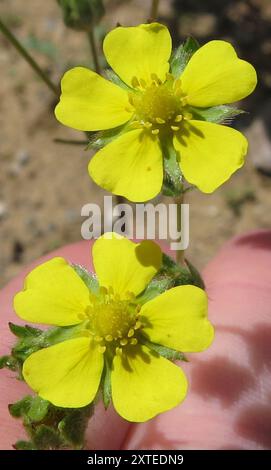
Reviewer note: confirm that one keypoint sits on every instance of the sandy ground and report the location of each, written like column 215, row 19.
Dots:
column 43, row 185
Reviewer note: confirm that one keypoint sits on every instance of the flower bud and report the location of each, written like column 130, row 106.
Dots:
column 81, row 15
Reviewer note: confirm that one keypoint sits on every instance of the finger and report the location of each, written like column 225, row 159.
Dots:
column 106, row 429
column 229, row 401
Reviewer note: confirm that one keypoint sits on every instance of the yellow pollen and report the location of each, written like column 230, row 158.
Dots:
column 178, row 118
column 175, row 128
column 155, row 131
column 111, row 319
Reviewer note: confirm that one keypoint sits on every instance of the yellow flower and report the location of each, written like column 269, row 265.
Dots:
column 157, row 106
column 113, row 327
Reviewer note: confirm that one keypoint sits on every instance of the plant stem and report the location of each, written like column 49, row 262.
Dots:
column 154, row 9
column 180, row 254
column 94, row 51
column 71, row 142
column 20, row 48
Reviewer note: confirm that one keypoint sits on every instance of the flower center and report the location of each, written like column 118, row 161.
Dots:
column 113, row 320
column 160, row 105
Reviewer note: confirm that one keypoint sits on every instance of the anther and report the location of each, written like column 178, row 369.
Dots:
column 118, row 351
column 178, row 118
column 148, row 125
column 138, row 325
column 135, row 83
column 102, row 349
column 131, row 332
column 175, row 128
column 109, row 338
column 142, row 82
column 160, row 120
column 188, row 116
column 133, row 341
column 155, row 131
column 123, row 341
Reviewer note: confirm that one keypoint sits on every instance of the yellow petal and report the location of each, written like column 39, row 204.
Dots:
column 130, row 166
column 123, row 265
column 209, row 153
column 67, row 374
column 178, row 319
column 145, row 384
column 90, row 103
column 139, row 51
column 53, row 294
column 215, row 75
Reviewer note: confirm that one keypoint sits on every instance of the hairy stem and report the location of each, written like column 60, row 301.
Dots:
column 154, row 10
column 180, row 254
column 21, row 49
column 94, row 51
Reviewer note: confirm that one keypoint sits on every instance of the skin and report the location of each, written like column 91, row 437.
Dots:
column 229, row 402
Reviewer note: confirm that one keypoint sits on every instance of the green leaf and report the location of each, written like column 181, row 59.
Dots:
column 46, row 438
column 172, row 184
column 21, row 407
column 114, row 78
column 217, row 114
column 38, row 409
column 24, row 445
column 89, row 279
column 73, row 426
column 182, row 55
column 8, row 362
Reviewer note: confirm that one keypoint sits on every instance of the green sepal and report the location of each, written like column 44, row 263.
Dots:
column 90, row 279
column 81, row 15
column 105, row 386
column 23, row 331
column 103, row 138
column 182, row 55
column 223, row 114
column 170, row 275
column 114, row 78
column 163, row 351
column 30, row 344
column 46, row 438
column 172, row 183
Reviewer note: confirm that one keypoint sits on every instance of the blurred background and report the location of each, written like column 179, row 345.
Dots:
column 44, row 184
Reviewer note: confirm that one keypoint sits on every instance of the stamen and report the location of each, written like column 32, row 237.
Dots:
column 188, row 116
column 102, row 349
column 119, row 351
column 155, row 131
column 109, row 338
column 133, row 341
column 148, row 125
column 98, row 339
column 178, row 118
column 175, row 128
column 142, row 82
column 160, row 121
column 123, row 341
column 131, row 332
column 135, row 83
column 138, row 325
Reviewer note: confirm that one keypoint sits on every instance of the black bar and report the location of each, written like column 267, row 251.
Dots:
column 115, row 459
